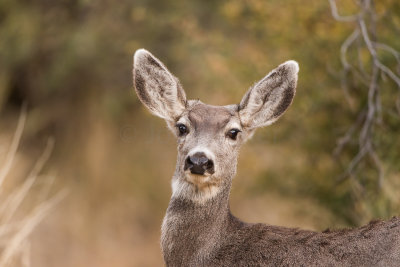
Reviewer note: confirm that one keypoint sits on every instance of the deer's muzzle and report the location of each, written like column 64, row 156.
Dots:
column 198, row 163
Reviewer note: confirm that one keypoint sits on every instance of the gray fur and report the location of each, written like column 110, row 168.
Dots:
column 268, row 99
column 156, row 87
column 198, row 228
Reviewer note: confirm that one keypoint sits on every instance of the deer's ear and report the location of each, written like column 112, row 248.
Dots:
column 156, row 87
column 269, row 98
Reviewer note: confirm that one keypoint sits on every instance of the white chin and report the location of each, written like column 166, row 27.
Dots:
column 197, row 188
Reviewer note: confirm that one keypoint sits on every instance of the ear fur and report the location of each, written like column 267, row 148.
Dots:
column 156, row 87
column 269, row 98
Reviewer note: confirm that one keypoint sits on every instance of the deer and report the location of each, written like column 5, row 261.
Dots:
column 198, row 228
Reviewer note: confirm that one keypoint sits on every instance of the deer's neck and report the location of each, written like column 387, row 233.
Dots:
column 191, row 230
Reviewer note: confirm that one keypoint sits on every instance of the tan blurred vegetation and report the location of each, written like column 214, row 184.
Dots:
column 70, row 61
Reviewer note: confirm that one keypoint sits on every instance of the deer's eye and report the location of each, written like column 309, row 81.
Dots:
column 182, row 129
column 232, row 133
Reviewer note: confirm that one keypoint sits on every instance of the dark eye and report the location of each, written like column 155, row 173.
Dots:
column 182, row 129
column 232, row 133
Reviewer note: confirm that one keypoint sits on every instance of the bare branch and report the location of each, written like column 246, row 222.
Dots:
column 14, row 200
column 372, row 50
column 14, row 232
column 336, row 15
column 371, row 108
column 346, row 138
column 363, row 129
column 389, row 72
column 379, row 166
column 14, row 146
column 350, row 169
column 345, row 46
column 389, row 49
column 346, row 66
column 367, row 40
column 34, row 218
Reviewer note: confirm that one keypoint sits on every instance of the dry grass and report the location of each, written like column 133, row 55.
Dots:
column 17, row 222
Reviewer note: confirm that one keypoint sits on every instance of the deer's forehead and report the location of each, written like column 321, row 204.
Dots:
column 210, row 117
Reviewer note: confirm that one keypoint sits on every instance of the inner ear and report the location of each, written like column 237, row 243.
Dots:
column 156, row 87
column 269, row 98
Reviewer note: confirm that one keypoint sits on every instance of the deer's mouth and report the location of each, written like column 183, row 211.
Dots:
column 200, row 181
column 193, row 175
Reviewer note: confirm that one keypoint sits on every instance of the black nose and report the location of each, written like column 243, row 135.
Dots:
column 199, row 164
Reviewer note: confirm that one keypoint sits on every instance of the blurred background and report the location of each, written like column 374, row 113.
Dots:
column 331, row 161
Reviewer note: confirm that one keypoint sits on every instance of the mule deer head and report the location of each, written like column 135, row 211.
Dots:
column 198, row 228
column 209, row 137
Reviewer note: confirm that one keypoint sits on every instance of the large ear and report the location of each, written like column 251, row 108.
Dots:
column 156, row 87
column 269, row 98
